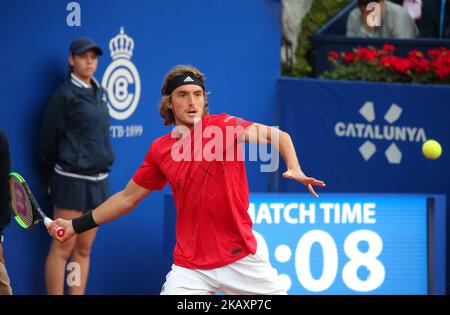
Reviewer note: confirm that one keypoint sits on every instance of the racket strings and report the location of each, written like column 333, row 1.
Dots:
column 21, row 203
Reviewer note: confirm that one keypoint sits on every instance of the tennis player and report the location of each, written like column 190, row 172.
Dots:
column 215, row 250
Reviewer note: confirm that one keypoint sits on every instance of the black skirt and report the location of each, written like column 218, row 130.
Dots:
column 77, row 194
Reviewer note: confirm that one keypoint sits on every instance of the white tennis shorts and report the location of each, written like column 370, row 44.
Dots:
column 251, row 275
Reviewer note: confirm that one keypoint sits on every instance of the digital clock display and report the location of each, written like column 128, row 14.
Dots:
column 344, row 244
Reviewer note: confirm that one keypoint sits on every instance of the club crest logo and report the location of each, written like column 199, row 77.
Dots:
column 121, row 79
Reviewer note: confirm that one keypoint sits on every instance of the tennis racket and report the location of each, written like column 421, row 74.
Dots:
column 26, row 209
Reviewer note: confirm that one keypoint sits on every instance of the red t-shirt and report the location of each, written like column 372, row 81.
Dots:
column 213, row 228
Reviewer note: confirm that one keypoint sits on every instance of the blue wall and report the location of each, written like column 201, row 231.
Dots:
column 312, row 111
column 236, row 43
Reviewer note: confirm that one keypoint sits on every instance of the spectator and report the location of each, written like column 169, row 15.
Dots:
column 393, row 21
column 435, row 21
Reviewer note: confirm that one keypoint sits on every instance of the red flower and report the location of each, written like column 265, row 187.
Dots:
column 416, row 67
column 434, row 53
column 442, row 73
column 402, row 65
column 415, row 54
column 418, row 62
column 349, row 56
column 333, row 55
column 367, row 54
column 388, row 61
column 441, row 64
column 388, row 49
column 420, row 66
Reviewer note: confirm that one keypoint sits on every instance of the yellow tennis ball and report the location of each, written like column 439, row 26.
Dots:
column 432, row 149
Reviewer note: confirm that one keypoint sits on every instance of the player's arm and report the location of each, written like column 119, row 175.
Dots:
column 262, row 134
column 115, row 206
column 121, row 203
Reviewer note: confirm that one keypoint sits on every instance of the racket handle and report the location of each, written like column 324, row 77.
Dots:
column 59, row 231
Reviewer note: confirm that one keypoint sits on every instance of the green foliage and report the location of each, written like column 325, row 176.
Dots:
column 321, row 11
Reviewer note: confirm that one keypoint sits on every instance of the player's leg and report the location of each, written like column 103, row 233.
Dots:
column 184, row 281
column 56, row 263
column 251, row 275
column 81, row 254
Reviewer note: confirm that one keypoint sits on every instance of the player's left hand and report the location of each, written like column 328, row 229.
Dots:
column 299, row 176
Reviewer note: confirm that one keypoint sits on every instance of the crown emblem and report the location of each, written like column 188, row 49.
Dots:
column 121, row 46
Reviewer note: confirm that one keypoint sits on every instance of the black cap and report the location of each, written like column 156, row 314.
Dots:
column 83, row 44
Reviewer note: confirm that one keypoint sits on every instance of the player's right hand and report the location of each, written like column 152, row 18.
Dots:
column 61, row 223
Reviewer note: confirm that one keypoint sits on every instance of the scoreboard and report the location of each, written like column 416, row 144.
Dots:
column 353, row 243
